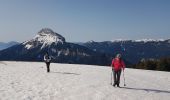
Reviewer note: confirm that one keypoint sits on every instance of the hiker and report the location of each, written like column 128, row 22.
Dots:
column 47, row 60
column 117, row 66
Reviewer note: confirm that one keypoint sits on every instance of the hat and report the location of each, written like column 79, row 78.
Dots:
column 118, row 55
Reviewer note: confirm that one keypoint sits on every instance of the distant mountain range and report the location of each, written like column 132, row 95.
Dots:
column 6, row 45
column 95, row 53
column 133, row 50
column 61, row 51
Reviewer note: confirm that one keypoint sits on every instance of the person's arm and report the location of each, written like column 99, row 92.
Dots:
column 45, row 58
column 49, row 58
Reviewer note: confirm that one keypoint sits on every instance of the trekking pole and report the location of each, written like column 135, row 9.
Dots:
column 124, row 78
column 111, row 78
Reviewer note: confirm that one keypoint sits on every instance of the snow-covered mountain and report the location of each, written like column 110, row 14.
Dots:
column 139, row 40
column 133, row 50
column 7, row 45
column 30, row 81
column 45, row 37
column 61, row 51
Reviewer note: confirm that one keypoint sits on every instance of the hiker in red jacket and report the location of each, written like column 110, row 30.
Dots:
column 117, row 66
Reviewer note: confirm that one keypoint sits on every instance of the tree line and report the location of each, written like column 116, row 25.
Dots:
column 162, row 64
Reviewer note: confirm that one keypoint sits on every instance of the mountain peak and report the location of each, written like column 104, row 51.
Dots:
column 46, row 31
column 46, row 37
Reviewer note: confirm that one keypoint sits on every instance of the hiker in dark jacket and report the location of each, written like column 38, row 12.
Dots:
column 47, row 60
column 117, row 66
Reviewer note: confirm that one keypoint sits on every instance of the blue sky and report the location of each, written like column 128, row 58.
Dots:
column 85, row 20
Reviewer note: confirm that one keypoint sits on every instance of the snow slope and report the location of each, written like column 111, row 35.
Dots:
column 29, row 81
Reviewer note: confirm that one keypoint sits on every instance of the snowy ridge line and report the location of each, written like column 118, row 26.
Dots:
column 149, row 40
column 126, row 40
column 140, row 40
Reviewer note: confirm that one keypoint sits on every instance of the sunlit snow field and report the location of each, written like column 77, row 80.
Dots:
column 30, row 81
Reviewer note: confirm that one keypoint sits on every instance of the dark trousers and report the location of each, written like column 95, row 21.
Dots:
column 48, row 66
column 117, row 77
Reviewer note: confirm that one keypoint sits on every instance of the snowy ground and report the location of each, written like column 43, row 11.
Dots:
column 29, row 81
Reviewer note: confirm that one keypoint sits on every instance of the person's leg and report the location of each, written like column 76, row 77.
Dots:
column 46, row 66
column 48, row 70
column 115, row 78
column 118, row 77
column 49, row 67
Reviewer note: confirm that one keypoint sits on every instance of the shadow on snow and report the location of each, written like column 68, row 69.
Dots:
column 147, row 90
column 65, row 73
